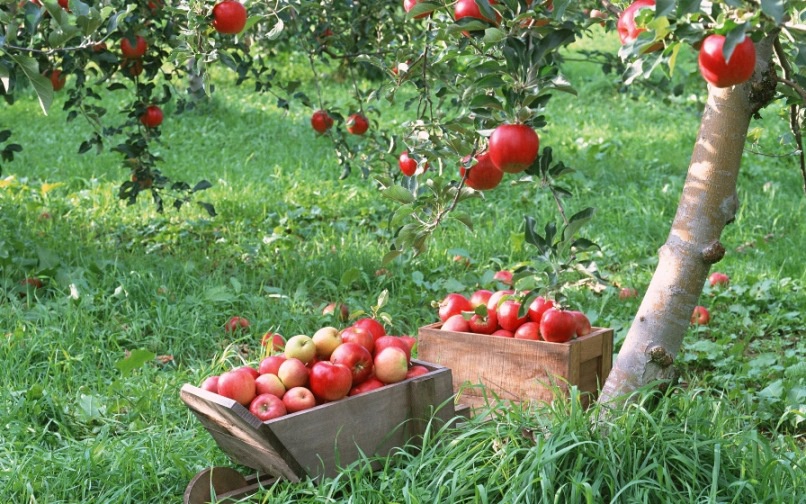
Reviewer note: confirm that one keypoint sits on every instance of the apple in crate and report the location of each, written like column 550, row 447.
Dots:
column 356, row 358
column 298, row 399
column 269, row 384
column 271, row 364
column 416, row 370
column 538, row 307
column 326, row 340
column 360, row 336
column 395, row 341
column 238, row 385
column 391, row 365
column 456, row 323
column 373, row 326
column 300, row 347
column 558, row 326
column 453, row 304
column 480, row 297
column 293, row 373
column 371, row 383
column 583, row 323
column 329, row 381
column 528, row 331
column 210, row 384
column 267, row 407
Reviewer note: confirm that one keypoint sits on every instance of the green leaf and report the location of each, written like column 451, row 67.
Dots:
column 532, row 237
column 349, row 277
column 774, row 9
column 732, row 39
column 391, row 256
column 463, row 218
column 494, row 35
column 135, row 360
column 485, row 101
column 664, row 7
column 218, row 294
column 41, row 84
column 399, row 194
column 422, row 8
column 576, row 222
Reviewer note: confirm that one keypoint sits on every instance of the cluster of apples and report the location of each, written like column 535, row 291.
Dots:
column 499, row 314
column 309, row 370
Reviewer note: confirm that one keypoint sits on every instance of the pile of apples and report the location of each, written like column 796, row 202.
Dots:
column 498, row 314
column 306, row 371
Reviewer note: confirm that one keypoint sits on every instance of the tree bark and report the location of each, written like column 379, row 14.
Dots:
column 708, row 202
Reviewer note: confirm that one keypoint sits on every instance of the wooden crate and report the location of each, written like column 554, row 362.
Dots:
column 317, row 441
column 517, row 370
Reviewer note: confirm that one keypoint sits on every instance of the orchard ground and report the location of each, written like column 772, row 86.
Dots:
column 80, row 426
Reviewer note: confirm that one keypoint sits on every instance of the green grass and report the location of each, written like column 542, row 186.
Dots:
column 291, row 237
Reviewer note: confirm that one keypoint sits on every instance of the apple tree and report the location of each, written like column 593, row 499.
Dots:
column 479, row 76
column 499, row 64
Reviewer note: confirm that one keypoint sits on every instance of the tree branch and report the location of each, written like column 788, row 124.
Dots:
column 794, row 109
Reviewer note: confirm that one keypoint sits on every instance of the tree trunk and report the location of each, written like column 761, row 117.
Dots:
column 708, row 202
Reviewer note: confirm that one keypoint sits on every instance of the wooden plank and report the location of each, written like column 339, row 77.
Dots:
column 515, row 370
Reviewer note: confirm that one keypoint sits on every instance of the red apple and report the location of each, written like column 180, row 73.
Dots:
column 329, row 381
column 627, row 29
column 558, row 326
column 300, row 347
column 483, row 324
column 371, row 383
column 298, row 399
column 513, row 147
column 480, row 297
column 391, row 365
column 528, row 331
column 453, row 304
column 416, row 370
column 338, row 310
column 229, row 17
column 373, row 326
column 326, row 340
column 396, row 341
column 269, row 384
column 583, row 323
column 355, row 334
column 700, row 316
column 267, row 407
column 356, row 358
column 237, row 385
column 321, row 121
column 410, row 341
column 627, row 293
column 503, row 333
column 482, row 176
column 503, row 276
column 456, row 323
column 134, row 50
column 723, row 73
column 538, row 307
column 271, row 364
column 293, row 373
column 277, row 341
column 357, row 124
column 210, row 384
column 508, row 317
column 719, row 280
column 249, row 369
column 408, row 165
column 497, row 298
column 236, row 323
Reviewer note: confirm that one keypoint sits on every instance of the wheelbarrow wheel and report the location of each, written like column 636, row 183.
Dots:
column 212, row 483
